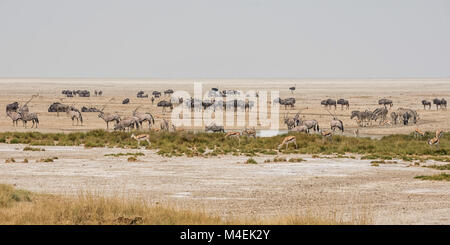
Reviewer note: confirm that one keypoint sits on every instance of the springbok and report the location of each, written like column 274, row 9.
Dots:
column 435, row 141
column 249, row 132
column 234, row 134
column 141, row 137
column 327, row 134
column 356, row 133
column 287, row 140
column 417, row 132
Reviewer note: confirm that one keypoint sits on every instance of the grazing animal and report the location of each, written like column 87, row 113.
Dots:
column 336, row 123
column 310, row 124
column 386, row 102
column 214, row 128
column 394, row 117
column 126, row 101
column 75, row 114
column 418, row 132
column 141, row 137
column 440, row 103
column 165, row 104
column 328, row 103
column 435, row 141
column 234, row 134
column 249, row 132
column 109, row 117
column 15, row 117
column 290, row 123
column 301, row 128
column 426, row 103
column 127, row 123
column 12, row 107
column 168, row 92
column 327, row 135
column 407, row 114
column 286, row 102
column 343, row 103
column 356, row 133
column 29, row 116
column 288, row 140
column 380, row 113
column 144, row 117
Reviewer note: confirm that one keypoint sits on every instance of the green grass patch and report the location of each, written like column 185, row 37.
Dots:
column 439, row 167
column 438, row 177
column 9, row 195
column 125, row 154
column 28, row 148
column 251, row 161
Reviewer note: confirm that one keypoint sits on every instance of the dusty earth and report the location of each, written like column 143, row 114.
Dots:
column 387, row 194
column 224, row 185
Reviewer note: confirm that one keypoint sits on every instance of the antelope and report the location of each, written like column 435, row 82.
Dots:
column 109, row 117
column 356, row 133
column 144, row 117
column 435, row 141
column 15, row 117
column 74, row 113
column 249, row 132
column 287, row 140
column 234, row 134
column 141, row 137
column 327, row 134
column 27, row 116
column 418, row 132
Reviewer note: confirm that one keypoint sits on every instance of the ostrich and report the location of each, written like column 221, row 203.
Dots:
column 292, row 89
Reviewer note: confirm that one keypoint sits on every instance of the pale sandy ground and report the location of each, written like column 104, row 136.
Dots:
column 388, row 194
column 221, row 185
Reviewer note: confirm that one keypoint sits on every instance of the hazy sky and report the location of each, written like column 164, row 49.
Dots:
column 228, row 38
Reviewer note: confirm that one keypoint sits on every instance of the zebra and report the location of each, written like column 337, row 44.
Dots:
column 380, row 113
column 426, row 103
column 288, row 140
column 394, row 117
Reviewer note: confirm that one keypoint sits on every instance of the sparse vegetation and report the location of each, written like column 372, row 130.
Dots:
column 439, row 177
column 125, row 154
column 48, row 159
column 10, row 160
column 251, row 161
column 18, row 207
column 192, row 144
column 28, row 148
column 439, row 167
column 132, row 159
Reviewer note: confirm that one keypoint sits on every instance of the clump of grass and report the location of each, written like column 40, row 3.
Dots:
column 48, row 159
column 439, row 167
column 25, row 160
column 27, row 148
column 297, row 159
column 132, row 159
column 9, row 195
column 439, row 177
column 251, row 161
column 125, row 154
column 279, row 159
column 10, row 160
column 375, row 164
column 18, row 207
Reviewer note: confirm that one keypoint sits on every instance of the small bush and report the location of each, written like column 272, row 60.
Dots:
column 251, row 161
column 33, row 149
column 297, row 160
column 440, row 167
column 132, row 159
column 10, row 160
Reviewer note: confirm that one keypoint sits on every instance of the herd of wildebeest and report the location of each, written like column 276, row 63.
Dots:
column 225, row 99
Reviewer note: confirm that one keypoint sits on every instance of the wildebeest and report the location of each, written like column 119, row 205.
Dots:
column 343, row 103
column 328, row 103
column 426, row 103
column 12, row 107
column 90, row 109
column 14, row 115
column 386, row 102
column 140, row 94
column 58, row 107
column 214, row 128
column 168, row 92
column 126, row 101
column 440, row 103
column 157, row 94
column 165, row 104
column 285, row 102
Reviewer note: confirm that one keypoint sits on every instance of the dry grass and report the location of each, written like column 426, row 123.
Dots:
column 26, row 208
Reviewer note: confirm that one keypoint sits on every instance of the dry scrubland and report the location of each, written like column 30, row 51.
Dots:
column 387, row 178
